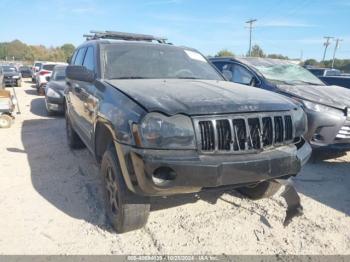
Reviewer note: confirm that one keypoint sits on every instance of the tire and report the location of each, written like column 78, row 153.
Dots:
column 19, row 83
column 125, row 210
column 262, row 190
column 73, row 139
column 41, row 90
column 5, row 121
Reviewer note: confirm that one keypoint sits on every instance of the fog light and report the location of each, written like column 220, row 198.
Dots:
column 163, row 176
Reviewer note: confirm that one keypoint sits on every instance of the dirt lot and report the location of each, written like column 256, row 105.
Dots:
column 51, row 203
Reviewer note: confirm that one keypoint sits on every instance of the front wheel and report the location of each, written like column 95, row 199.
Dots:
column 19, row 83
column 5, row 121
column 73, row 138
column 125, row 210
column 262, row 190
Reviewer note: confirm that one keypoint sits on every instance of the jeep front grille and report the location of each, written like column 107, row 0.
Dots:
column 250, row 132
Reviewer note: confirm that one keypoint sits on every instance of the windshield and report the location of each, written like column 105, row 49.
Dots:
column 9, row 69
column 134, row 61
column 288, row 74
column 59, row 75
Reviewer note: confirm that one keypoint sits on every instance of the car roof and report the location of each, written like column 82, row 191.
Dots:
column 99, row 42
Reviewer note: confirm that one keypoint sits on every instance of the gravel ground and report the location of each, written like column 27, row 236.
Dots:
column 51, row 203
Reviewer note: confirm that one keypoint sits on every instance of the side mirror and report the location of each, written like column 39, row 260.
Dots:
column 80, row 73
column 47, row 78
column 227, row 74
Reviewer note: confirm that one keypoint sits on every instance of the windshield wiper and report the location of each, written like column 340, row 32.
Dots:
column 306, row 82
column 187, row 77
column 130, row 77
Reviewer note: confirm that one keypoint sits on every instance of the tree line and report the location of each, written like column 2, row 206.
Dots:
column 257, row 51
column 19, row 51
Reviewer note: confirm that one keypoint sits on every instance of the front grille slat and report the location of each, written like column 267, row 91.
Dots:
column 244, row 134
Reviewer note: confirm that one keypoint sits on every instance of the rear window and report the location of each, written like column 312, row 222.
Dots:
column 48, row 67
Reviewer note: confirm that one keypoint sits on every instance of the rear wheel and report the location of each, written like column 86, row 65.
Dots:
column 262, row 190
column 125, row 210
column 73, row 139
column 5, row 121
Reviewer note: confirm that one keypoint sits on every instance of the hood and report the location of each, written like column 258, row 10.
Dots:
column 200, row 97
column 334, row 96
column 57, row 85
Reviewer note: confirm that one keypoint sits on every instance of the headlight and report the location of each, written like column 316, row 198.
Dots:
column 15, row 77
column 51, row 93
column 162, row 132
column 300, row 122
column 321, row 108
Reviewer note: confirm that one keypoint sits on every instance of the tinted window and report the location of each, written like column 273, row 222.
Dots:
column 9, row 69
column 220, row 65
column 73, row 57
column 317, row 72
column 241, row 75
column 49, row 67
column 80, row 57
column 89, row 59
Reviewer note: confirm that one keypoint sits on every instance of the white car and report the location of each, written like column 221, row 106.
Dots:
column 43, row 73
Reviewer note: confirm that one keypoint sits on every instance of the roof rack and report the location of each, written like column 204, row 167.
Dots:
column 94, row 35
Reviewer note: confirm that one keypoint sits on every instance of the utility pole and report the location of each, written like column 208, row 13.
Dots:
column 335, row 49
column 326, row 44
column 250, row 22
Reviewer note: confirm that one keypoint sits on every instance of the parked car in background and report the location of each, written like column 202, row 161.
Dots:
column 54, row 90
column 161, row 120
column 327, row 107
column 44, row 72
column 2, row 83
column 331, row 76
column 12, row 77
column 35, row 69
column 25, row 71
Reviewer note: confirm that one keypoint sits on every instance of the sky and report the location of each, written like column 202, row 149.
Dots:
column 294, row 28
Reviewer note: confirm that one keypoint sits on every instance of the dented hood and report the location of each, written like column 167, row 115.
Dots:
column 334, row 96
column 200, row 97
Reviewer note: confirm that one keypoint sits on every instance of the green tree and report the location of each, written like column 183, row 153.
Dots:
column 311, row 62
column 278, row 56
column 68, row 50
column 224, row 52
column 257, row 51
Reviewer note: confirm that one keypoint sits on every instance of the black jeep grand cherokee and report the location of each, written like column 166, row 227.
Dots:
column 161, row 120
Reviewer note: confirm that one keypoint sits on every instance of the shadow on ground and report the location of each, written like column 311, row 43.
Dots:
column 326, row 178
column 32, row 92
column 70, row 181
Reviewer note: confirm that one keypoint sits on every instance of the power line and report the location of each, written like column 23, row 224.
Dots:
column 326, row 44
column 335, row 49
column 250, row 22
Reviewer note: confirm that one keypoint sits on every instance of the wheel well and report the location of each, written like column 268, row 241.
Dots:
column 103, row 137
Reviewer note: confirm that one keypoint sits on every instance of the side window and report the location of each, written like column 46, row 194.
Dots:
column 219, row 65
column 80, row 56
column 73, row 57
column 241, row 75
column 89, row 61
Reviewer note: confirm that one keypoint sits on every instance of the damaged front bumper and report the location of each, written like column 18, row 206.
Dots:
column 167, row 172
